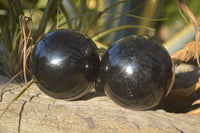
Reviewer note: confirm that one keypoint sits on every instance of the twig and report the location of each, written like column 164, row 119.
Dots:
column 16, row 97
column 4, row 87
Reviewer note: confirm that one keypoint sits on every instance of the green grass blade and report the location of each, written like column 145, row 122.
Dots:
column 149, row 12
column 99, row 14
column 104, row 33
column 66, row 15
column 82, row 11
column 49, row 10
column 16, row 97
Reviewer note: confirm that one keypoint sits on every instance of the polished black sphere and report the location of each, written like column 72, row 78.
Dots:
column 137, row 72
column 65, row 64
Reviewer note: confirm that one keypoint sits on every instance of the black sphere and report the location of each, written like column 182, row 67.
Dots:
column 65, row 64
column 137, row 72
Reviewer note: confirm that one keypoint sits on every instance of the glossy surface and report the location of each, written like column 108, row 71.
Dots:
column 137, row 72
column 65, row 64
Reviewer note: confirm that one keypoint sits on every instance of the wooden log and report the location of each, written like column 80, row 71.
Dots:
column 94, row 113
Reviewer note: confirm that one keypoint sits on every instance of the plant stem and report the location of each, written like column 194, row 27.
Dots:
column 16, row 97
column 102, row 34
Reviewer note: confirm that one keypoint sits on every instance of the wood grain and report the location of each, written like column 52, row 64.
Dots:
column 94, row 113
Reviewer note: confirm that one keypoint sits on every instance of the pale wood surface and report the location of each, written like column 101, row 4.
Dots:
column 44, row 114
column 94, row 113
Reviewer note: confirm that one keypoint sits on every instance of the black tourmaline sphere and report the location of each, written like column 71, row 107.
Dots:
column 137, row 72
column 65, row 64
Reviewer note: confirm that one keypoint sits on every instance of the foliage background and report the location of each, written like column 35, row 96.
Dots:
column 103, row 20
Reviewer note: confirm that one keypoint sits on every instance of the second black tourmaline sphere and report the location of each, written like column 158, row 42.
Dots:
column 65, row 64
column 137, row 72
